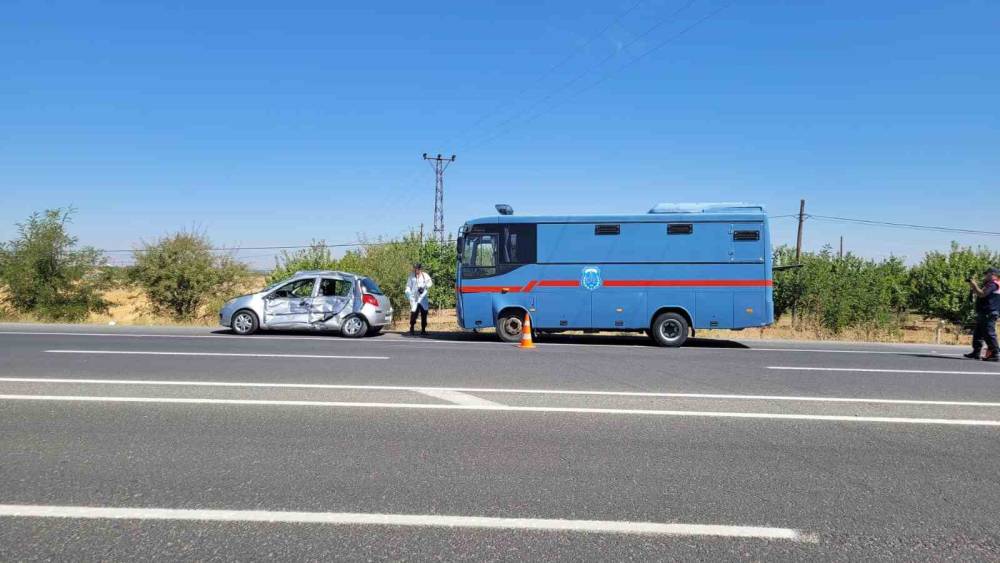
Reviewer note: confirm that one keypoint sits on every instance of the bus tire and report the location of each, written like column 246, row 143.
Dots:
column 509, row 326
column 670, row 330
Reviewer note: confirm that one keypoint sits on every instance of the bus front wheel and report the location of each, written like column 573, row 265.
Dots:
column 670, row 329
column 509, row 327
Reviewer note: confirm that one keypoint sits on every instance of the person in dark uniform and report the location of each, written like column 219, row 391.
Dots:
column 987, row 311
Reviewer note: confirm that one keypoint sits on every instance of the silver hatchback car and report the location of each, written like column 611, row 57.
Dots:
column 312, row 300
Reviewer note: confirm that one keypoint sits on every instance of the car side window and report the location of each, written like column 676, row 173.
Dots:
column 295, row 289
column 330, row 287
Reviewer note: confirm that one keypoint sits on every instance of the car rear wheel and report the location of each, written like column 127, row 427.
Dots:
column 670, row 329
column 509, row 327
column 244, row 322
column 354, row 326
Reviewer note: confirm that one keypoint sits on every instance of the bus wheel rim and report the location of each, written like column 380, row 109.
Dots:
column 671, row 330
column 513, row 326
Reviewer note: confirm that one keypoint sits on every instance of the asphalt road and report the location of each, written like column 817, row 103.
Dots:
column 133, row 443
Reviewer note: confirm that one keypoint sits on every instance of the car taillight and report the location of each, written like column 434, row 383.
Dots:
column 369, row 299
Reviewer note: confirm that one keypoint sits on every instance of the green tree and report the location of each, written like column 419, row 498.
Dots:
column 316, row 257
column 837, row 293
column 388, row 262
column 939, row 286
column 45, row 274
column 181, row 274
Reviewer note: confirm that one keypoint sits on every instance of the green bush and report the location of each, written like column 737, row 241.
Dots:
column 838, row 293
column 44, row 274
column 182, row 276
column 938, row 284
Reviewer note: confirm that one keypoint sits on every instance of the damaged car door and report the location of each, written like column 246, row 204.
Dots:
column 289, row 306
column 331, row 301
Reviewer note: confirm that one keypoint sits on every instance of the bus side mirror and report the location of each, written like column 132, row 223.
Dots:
column 458, row 247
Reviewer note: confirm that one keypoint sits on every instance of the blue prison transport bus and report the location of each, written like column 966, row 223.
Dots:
column 678, row 268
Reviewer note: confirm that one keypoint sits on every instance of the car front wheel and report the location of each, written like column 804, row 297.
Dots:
column 244, row 322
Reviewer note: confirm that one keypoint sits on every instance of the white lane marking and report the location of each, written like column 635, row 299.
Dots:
column 418, row 520
column 456, row 397
column 825, row 350
column 245, row 338
column 582, row 343
column 463, row 390
column 506, row 408
column 212, row 354
column 880, row 370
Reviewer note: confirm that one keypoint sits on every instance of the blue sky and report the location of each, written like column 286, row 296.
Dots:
column 267, row 123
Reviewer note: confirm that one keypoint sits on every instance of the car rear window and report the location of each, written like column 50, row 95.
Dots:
column 371, row 287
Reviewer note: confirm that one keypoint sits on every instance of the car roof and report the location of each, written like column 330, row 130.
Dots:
column 314, row 273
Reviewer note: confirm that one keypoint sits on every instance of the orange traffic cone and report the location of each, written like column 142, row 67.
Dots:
column 526, row 341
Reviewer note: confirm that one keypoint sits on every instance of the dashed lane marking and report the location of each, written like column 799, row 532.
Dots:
column 216, row 354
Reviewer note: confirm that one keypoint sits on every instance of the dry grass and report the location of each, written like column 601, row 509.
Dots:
column 917, row 331
column 129, row 306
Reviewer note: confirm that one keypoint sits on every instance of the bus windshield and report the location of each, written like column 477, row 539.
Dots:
column 479, row 255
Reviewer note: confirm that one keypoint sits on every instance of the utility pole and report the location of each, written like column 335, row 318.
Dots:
column 798, row 256
column 798, row 239
column 439, row 164
column 841, row 247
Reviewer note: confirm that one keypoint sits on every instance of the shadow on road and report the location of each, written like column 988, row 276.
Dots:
column 568, row 339
column 575, row 339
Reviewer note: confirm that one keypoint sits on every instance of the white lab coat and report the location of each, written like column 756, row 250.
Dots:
column 413, row 285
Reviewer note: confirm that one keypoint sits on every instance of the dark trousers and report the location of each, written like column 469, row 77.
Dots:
column 986, row 329
column 423, row 318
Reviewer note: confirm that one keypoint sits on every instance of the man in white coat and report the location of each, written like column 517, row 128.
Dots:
column 418, row 285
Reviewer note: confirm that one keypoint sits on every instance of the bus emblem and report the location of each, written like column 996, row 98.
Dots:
column 591, row 278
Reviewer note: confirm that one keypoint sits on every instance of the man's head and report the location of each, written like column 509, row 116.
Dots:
column 992, row 273
column 418, row 267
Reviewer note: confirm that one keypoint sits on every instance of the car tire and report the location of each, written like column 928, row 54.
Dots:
column 244, row 322
column 354, row 326
column 670, row 330
column 509, row 327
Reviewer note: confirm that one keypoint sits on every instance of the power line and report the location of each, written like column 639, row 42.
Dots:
column 552, row 69
column 531, row 107
column 276, row 247
column 911, row 226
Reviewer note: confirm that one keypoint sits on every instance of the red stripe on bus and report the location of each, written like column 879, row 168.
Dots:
column 559, row 283
column 688, row 283
column 489, row 289
column 616, row 283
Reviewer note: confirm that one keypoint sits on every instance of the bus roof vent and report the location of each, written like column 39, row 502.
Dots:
column 706, row 207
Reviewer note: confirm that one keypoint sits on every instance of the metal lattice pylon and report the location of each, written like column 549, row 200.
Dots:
column 439, row 164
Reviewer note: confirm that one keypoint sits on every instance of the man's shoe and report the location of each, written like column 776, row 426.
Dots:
column 423, row 333
column 412, row 332
column 970, row 355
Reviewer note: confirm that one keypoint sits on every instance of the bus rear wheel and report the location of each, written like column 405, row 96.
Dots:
column 509, row 327
column 670, row 329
